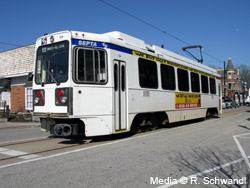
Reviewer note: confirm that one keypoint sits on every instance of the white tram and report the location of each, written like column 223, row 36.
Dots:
column 102, row 84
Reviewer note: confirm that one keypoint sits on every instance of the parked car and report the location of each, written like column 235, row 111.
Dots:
column 247, row 101
column 223, row 104
column 230, row 103
column 227, row 103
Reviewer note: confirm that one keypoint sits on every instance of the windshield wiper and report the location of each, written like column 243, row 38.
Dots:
column 57, row 83
column 50, row 73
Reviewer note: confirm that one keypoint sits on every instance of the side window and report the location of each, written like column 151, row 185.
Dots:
column 195, row 82
column 183, row 80
column 167, row 77
column 212, row 85
column 90, row 66
column 204, row 84
column 148, row 74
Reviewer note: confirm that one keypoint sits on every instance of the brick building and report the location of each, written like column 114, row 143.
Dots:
column 15, row 65
column 232, row 81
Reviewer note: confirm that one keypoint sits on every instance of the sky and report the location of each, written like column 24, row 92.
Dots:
column 222, row 27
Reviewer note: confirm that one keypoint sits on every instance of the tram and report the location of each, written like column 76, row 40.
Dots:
column 111, row 83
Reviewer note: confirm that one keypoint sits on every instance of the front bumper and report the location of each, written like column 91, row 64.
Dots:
column 51, row 115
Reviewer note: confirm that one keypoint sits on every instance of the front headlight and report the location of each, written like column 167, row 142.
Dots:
column 36, row 100
column 64, row 100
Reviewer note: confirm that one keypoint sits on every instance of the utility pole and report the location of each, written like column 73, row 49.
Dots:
column 224, row 80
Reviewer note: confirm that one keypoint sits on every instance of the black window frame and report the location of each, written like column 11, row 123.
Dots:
column 195, row 82
column 95, row 81
column 148, row 73
column 204, row 84
column 212, row 84
column 55, row 73
column 168, row 77
column 183, row 80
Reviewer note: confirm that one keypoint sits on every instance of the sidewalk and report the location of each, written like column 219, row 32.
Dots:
column 11, row 125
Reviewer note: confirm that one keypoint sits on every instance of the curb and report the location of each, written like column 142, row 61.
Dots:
column 3, row 120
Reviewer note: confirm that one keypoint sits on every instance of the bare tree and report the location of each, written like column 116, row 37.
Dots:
column 244, row 71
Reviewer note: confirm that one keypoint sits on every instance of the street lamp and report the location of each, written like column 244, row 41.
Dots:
column 225, row 87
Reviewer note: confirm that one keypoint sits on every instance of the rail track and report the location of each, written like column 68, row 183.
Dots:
column 45, row 146
column 38, row 147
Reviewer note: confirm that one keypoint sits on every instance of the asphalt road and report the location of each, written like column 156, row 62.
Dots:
column 218, row 147
column 12, row 134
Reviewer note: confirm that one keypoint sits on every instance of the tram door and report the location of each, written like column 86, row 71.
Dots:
column 120, row 91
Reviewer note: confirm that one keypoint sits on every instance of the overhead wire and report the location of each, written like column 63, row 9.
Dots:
column 141, row 20
column 16, row 45
column 10, row 44
column 219, row 60
column 155, row 27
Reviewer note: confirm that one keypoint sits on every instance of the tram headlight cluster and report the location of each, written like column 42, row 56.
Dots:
column 38, row 97
column 62, row 95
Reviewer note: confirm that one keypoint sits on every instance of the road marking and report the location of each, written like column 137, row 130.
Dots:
column 240, row 135
column 31, row 156
column 3, row 149
column 243, row 154
column 203, row 172
column 13, row 153
column 244, row 158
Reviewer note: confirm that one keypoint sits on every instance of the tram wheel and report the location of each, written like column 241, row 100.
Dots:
column 208, row 114
column 154, row 123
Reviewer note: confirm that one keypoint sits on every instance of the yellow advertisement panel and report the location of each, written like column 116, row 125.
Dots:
column 187, row 100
